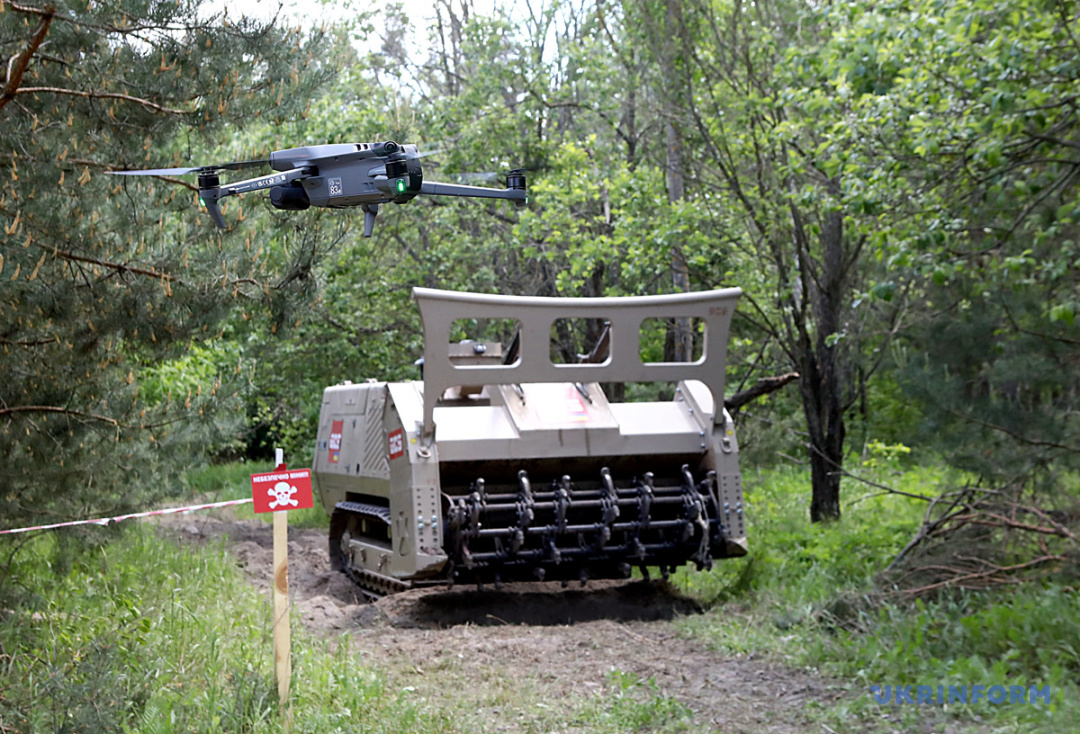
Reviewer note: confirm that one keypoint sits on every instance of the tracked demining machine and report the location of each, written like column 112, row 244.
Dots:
column 502, row 465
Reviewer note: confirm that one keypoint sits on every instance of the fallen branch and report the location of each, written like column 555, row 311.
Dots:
column 980, row 575
column 1004, row 522
column 929, row 527
column 968, row 535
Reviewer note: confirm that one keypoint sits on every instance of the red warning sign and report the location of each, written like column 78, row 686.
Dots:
column 396, row 439
column 284, row 489
column 335, row 441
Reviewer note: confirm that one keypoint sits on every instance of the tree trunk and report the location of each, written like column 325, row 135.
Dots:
column 680, row 336
column 825, row 426
column 821, row 388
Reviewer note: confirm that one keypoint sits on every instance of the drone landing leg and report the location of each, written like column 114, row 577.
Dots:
column 210, row 201
column 370, row 210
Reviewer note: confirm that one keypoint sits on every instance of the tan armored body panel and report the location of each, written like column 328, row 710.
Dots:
column 495, row 471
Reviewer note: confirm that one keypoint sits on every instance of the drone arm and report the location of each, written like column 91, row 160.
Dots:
column 210, row 196
column 432, row 188
column 265, row 182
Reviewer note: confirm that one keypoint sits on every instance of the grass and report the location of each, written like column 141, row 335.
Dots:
column 796, row 568
column 636, row 704
column 131, row 633
column 136, row 634
column 806, row 595
column 144, row 636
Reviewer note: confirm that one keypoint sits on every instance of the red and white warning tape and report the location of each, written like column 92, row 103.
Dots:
column 118, row 518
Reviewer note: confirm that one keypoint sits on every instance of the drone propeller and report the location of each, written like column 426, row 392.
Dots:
column 236, row 166
column 475, row 177
column 156, row 172
column 490, row 176
column 209, row 183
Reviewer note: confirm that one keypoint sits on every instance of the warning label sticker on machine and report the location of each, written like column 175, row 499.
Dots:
column 396, row 440
column 560, row 405
column 335, row 441
column 575, row 407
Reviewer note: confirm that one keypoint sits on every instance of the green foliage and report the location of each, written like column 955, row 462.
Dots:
column 597, row 224
column 221, row 481
column 795, row 566
column 201, row 368
column 972, row 102
column 109, row 282
column 808, row 594
column 893, row 185
column 1024, row 638
column 119, row 643
column 1027, row 637
column 182, row 644
column 880, row 454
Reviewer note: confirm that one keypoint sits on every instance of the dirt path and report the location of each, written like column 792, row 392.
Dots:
column 536, row 642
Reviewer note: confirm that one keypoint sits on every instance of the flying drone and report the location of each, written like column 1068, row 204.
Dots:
column 336, row 176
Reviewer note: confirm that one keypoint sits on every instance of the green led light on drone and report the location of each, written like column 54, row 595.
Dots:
column 401, row 186
column 202, row 201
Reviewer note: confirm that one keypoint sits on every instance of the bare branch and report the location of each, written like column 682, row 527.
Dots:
column 1004, row 522
column 18, row 66
column 764, row 386
column 1013, row 434
column 55, row 409
column 886, row 489
column 103, row 95
column 120, row 267
column 35, row 343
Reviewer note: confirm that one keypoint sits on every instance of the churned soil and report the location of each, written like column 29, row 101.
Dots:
column 539, row 642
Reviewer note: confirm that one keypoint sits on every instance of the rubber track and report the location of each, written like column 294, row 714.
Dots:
column 374, row 585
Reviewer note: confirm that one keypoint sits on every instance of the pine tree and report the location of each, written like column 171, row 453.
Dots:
column 102, row 277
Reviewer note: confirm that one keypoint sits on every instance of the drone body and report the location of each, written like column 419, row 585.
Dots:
column 336, row 176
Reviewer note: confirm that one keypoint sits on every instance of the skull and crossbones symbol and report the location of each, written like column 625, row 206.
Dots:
column 283, row 493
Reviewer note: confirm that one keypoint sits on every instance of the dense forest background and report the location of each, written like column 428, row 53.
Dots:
column 893, row 185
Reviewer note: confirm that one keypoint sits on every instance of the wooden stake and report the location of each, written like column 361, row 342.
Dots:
column 282, row 659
